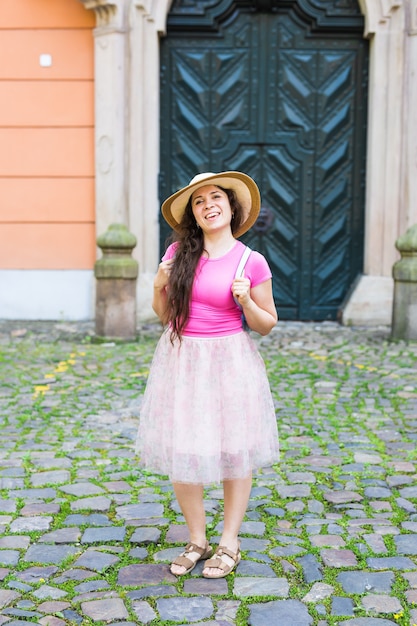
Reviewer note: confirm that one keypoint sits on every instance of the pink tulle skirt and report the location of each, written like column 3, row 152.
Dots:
column 207, row 413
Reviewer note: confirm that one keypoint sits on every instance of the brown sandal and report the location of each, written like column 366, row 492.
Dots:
column 184, row 561
column 220, row 563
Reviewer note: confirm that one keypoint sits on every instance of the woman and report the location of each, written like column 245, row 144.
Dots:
column 208, row 414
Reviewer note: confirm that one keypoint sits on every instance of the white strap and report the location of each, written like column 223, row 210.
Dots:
column 242, row 262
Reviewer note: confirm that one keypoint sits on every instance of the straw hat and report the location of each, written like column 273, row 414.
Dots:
column 244, row 186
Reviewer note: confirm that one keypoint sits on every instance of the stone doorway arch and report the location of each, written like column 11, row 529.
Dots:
column 127, row 137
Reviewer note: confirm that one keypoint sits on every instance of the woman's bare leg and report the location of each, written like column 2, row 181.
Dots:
column 190, row 499
column 236, row 498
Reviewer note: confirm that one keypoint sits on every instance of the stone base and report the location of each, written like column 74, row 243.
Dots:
column 369, row 303
column 116, row 308
column 404, row 317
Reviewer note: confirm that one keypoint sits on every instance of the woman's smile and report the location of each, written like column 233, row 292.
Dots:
column 212, row 215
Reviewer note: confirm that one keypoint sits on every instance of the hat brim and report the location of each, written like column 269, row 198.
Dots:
column 244, row 186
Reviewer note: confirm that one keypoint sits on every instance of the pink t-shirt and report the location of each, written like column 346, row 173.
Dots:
column 213, row 311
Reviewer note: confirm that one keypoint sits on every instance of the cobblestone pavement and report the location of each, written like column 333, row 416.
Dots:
column 330, row 536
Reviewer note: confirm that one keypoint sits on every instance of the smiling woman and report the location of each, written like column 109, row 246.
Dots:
column 216, row 421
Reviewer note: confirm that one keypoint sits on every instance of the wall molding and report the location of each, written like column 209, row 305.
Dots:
column 107, row 11
column 378, row 14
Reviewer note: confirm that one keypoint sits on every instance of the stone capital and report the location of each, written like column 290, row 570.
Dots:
column 378, row 13
column 154, row 11
column 108, row 12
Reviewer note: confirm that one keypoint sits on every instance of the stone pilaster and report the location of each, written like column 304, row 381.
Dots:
column 127, row 125
column 110, row 111
column 385, row 138
column 146, row 22
column 391, row 180
column 410, row 158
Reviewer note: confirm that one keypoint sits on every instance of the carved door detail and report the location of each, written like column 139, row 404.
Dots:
column 278, row 94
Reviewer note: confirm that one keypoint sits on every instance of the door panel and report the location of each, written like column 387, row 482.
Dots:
column 279, row 95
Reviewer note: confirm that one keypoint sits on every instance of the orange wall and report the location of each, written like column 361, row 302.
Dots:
column 46, row 136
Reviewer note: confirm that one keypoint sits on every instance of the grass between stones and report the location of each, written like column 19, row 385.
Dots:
column 333, row 402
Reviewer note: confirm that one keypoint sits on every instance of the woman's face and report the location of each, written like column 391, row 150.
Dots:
column 211, row 208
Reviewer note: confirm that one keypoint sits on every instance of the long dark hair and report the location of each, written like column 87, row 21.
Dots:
column 190, row 247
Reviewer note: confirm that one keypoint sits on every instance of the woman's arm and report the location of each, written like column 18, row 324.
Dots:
column 257, row 304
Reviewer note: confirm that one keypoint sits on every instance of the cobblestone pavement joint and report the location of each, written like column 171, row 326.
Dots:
column 330, row 535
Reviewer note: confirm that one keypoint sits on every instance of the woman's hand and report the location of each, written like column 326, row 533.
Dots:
column 257, row 304
column 162, row 276
column 241, row 290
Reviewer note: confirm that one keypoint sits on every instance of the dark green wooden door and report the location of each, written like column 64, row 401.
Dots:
column 276, row 89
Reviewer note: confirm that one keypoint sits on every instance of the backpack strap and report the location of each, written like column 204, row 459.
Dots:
column 239, row 274
column 242, row 262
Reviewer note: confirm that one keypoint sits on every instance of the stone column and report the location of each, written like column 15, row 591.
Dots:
column 116, row 275
column 146, row 21
column 410, row 157
column 404, row 317
column 110, row 111
column 391, row 155
column 127, row 126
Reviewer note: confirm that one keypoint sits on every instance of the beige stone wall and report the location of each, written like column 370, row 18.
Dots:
column 391, row 180
column 127, row 138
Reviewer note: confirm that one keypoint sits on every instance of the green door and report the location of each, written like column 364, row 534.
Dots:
column 276, row 89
